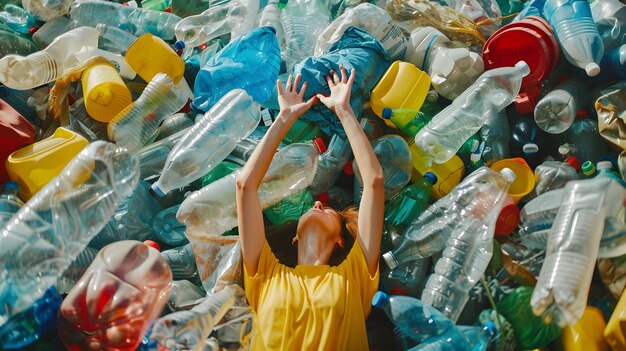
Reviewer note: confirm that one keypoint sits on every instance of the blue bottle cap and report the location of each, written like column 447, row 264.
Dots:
column 11, row 186
column 386, row 113
column 379, row 299
column 179, row 45
column 490, row 327
column 431, row 177
column 157, row 190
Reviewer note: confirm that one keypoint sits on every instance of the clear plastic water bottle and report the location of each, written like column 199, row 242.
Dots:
column 136, row 21
column 552, row 175
column 396, row 161
column 452, row 69
column 556, row 111
column 270, row 16
column 114, row 303
column 132, row 220
column 576, row 32
column 236, row 17
column 47, row 10
column 187, row 330
column 250, row 62
column 167, row 229
column 52, row 29
column 18, row 19
column 213, row 209
column 22, row 73
column 573, row 243
column 182, row 263
column 303, row 22
column 134, row 125
column 608, row 16
column 10, row 202
column 330, row 164
column 209, row 141
column 402, row 209
column 419, row 326
column 536, row 218
column 13, row 43
column 115, row 39
column 408, row 278
column 496, row 135
column 58, row 222
column 152, row 157
column 491, row 93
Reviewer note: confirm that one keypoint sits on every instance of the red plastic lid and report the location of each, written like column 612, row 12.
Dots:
column 152, row 244
column 573, row 161
column 32, row 30
column 509, row 217
column 320, row 145
column 347, row 168
column 324, row 198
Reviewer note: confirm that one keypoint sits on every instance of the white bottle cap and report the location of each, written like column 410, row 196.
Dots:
column 604, row 165
column 592, row 69
column 508, row 174
column 530, row 148
column 390, row 260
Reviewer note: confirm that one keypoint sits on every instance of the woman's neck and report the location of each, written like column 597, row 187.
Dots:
column 314, row 250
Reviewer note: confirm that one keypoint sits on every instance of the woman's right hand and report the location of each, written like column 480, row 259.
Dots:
column 340, row 88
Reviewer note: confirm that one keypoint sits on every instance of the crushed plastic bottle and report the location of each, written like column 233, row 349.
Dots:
column 58, row 222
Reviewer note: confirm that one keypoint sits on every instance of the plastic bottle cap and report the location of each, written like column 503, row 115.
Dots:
column 573, row 161
column 347, row 168
column 32, row 30
column 179, row 45
column 588, row 168
column 509, row 217
column 564, row 149
column 490, row 327
column 592, row 69
column 152, row 244
column 530, row 148
column 431, row 177
column 324, row 198
column 157, row 190
column 380, row 299
column 508, row 174
column 386, row 113
column 320, row 145
column 390, row 260
column 11, row 186
column 523, row 68
column 604, row 165
column 398, row 291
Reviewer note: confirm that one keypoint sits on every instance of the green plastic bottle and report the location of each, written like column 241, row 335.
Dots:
column 223, row 169
column 408, row 204
column 409, row 121
column 291, row 208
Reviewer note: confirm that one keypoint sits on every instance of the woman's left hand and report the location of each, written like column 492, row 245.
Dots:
column 291, row 101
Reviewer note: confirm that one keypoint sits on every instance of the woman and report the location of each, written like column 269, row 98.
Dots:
column 313, row 306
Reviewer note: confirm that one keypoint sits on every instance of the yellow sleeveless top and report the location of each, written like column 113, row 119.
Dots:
column 310, row 307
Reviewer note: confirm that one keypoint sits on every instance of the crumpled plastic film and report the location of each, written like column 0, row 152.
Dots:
column 611, row 110
column 218, row 259
column 412, row 14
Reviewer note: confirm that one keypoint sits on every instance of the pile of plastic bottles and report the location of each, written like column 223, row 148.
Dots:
column 500, row 126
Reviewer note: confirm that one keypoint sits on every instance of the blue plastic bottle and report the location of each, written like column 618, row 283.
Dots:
column 250, row 62
column 18, row 19
column 576, row 32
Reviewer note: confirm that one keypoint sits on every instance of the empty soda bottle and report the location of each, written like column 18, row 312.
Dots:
column 330, row 164
column 491, row 93
column 187, row 330
column 209, row 141
column 18, row 19
column 58, row 222
column 116, row 300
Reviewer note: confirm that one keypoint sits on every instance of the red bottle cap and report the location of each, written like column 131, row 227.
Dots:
column 324, row 198
column 320, row 145
column 32, row 30
column 509, row 217
column 347, row 168
column 168, row 9
column 573, row 161
column 202, row 47
column 152, row 244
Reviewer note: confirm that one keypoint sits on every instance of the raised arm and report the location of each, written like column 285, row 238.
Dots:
column 249, row 211
column 371, row 208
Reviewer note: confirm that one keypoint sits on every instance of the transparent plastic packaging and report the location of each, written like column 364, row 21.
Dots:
column 45, row 10
column 17, row 19
column 115, row 39
column 58, row 222
column 182, row 262
column 212, row 209
column 10, row 202
column 132, row 127
column 114, row 303
column 42, row 67
column 608, row 16
column 330, row 164
column 303, row 22
column 187, row 330
column 209, row 141
column 152, row 157
column 556, row 111
column 573, row 244
column 13, row 43
column 449, row 129
column 552, row 175
column 136, row 21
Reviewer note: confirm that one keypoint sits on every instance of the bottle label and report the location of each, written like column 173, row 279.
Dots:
column 394, row 41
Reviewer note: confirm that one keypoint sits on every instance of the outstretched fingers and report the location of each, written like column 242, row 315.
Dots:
column 279, row 87
column 344, row 74
column 352, row 76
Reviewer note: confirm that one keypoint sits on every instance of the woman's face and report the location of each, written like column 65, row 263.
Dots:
column 324, row 220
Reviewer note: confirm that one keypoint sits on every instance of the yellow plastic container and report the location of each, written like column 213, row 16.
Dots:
column 448, row 174
column 525, row 177
column 586, row 335
column 615, row 331
column 403, row 86
column 149, row 55
column 105, row 92
column 35, row 165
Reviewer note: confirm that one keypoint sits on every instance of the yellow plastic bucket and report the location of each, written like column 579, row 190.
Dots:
column 525, row 177
column 403, row 86
column 33, row 166
column 105, row 92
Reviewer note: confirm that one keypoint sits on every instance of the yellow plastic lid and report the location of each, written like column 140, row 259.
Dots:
column 150, row 55
column 105, row 92
column 524, row 176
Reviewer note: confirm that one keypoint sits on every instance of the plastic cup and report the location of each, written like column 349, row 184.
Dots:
column 525, row 180
column 105, row 92
column 150, row 55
